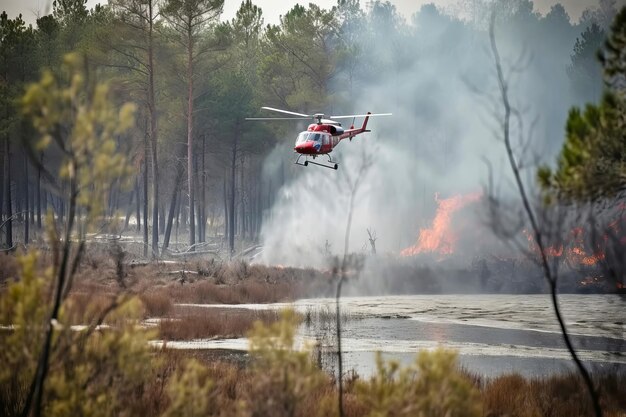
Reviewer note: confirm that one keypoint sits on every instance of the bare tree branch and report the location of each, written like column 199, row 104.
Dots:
column 550, row 274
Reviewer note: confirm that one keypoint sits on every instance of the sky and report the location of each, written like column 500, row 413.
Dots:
column 272, row 9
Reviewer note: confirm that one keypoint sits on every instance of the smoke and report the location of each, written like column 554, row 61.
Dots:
column 436, row 76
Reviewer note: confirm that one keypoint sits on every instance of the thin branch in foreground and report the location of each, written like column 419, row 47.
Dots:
column 536, row 230
column 353, row 187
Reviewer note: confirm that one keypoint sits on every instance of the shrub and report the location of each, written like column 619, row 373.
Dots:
column 286, row 380
column 91, row 372
column 190, row 391
column 432, row 387
column 156, row 303
column 509, row 395
column 199, row 322
column 22, row 310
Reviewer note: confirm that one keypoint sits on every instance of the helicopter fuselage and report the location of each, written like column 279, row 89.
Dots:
column 321, row 138
column 317, row 140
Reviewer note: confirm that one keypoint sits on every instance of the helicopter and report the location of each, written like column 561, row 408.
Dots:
column 321, row 137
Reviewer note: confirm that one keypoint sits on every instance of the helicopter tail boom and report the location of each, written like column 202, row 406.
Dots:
column 350, row 133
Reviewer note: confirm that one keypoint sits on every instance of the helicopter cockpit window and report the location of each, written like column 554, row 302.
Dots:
column 303, row 137
column 318, row 137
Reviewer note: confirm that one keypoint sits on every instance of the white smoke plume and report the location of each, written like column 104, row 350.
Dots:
column 440, row 86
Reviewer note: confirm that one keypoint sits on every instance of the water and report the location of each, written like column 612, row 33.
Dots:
column 493, row 334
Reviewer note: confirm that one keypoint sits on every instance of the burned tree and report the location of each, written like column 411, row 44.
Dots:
column 372, row 239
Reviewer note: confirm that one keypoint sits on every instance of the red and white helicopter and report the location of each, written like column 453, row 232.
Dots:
column 321, row 137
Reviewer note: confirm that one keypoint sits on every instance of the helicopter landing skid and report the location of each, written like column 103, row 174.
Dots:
column 333, row 165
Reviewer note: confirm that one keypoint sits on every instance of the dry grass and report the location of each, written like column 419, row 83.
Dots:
column 561, row 396
column 555, row 396
column 507, row 395
column 250, row 291
column 156, row 303
column 98, row 281
column 612, row 391
column 86, row 307
column 223, row 284
column 197, row 322
column 206, row 282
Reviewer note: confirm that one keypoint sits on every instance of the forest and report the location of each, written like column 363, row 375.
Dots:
column 202, row 171
column 144, row 219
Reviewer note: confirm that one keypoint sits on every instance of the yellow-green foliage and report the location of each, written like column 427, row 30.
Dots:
column 284, row 376
column 190, row 391
column 82, row 121
column 93, row 372
column 22, row 315
column 431, row 387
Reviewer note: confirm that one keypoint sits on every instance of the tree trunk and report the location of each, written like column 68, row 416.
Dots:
column 107, row 202
column 31, row 203
column 2, row 187
column 226, row 222
column 138, row 204
column 259, row 214
column 39, row 191
column 203, row 190
column 115, row 200
column 233, row 186
column 17, row 192
column 7, row 186
column 26, row 202
column 242, row 195
column 56, row 205
column 145, row 205
column 172, row 209
column 44, row 203
column 190, row 173
column 153, row 134
column 62, row 205
column 178, row 210
column 196, row 209
column 129, row 208
column 161, row 218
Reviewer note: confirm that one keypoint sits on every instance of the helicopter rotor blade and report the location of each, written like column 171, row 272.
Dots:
column 287, row 112
column 278, row 118
column 360, row 115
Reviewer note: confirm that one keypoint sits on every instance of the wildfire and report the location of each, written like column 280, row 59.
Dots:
column 440, row 238
column 573, row 249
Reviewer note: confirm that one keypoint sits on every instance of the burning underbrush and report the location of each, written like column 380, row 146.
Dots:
column 425, row 274
column 458, row 253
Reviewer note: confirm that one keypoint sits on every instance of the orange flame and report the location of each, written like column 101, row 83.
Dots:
column 577, row 253
column 440, row 238
column 574, row 249
column 551, row 251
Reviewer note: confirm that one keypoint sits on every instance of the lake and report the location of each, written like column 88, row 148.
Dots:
column 493, row 334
